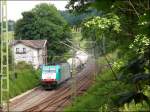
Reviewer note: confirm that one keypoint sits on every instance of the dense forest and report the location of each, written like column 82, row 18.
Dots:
column 125, row 25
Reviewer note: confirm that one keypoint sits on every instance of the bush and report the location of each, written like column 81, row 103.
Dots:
column 24, row 78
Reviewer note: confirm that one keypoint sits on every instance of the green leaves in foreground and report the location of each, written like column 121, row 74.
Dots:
column 129, row 96
column 95, row 27
column 140, row 44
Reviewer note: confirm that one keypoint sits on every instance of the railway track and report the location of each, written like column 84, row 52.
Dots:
column 62, row 96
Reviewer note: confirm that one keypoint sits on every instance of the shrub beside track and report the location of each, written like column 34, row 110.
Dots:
column 24, row 78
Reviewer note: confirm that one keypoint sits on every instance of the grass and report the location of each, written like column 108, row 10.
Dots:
column 25, row 78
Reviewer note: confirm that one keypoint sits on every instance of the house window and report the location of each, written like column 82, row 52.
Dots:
column 24, row 50
column 20, row 52
column 17, row 50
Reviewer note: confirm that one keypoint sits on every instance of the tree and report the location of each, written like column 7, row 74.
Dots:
column 101, row 28
column 83, row 5
column 44, row 22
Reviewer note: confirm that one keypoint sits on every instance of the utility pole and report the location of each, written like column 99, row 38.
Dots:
column 4, row 88
column 74, row 83
column 73, row 74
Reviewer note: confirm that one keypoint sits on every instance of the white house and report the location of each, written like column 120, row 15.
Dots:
column 30, row 51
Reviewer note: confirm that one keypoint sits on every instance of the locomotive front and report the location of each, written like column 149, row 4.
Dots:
column 50, row 75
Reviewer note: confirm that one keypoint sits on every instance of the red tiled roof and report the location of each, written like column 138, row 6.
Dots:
column 32, row 43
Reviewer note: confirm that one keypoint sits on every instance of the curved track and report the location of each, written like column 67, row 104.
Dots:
column 54, row 100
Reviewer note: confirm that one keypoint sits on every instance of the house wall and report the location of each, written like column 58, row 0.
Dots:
column 41, row 56
column 31, row 55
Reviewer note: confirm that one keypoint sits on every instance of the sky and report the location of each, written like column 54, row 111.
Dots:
column 15, row 8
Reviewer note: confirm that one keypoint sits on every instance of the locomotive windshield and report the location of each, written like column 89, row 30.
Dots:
column 50, row 71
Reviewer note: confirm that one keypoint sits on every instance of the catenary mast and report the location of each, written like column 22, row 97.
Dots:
column 4, row 79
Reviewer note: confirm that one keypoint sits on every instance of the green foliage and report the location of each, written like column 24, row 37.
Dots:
column 136, row 73
column 137, row 70
column 24, row 78
column 83, row 5
column 100, row 26
column 124, row 6
column 118, row 64
column 140, row 44
column 144, row 23
column 44, row 22
column 135, row 107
